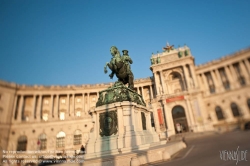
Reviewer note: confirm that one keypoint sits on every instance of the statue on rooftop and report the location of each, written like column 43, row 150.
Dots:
column 120, row 66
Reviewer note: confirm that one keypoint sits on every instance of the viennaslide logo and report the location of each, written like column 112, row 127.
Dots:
column 233, row 155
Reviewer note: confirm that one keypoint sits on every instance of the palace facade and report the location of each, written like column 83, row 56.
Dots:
column 181, row 96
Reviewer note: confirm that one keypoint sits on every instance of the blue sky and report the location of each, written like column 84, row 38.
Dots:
column 58, row 42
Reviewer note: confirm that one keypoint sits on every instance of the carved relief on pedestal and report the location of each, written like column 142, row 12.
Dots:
column 108, row 123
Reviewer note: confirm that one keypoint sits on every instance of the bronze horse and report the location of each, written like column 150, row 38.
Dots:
column 120, row 66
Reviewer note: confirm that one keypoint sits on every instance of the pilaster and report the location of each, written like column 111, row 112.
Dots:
column 186, row 77
column 20, row 109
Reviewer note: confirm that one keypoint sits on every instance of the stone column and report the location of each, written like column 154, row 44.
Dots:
column 83, row 102
column 169, row 119
column 193, row 75
column 156, row 84
column 15, row 107
column 88, row 104
column 162, row 83
column 234, row 76
column 142, row 93
column 73, row 113
column 56, row 107
column 151, row 92
column 189, row 112
column 216, row 84
column 206, row 88
column 219, row 80
column 33, row 109
column 244, row 72
column 199, row 81
column 51, row 106
column 38, row 117
column 20, row 108
column 247, row 65
column 229, row 77
column 186, row 77
column 67, row 113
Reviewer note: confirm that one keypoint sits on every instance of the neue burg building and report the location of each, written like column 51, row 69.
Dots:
column 210, row 97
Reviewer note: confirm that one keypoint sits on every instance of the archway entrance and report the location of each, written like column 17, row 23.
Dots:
column 179, row 118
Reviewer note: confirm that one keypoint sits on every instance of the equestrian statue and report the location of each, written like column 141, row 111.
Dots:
column 120, row 66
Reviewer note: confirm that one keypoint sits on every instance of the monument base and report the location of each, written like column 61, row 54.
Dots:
column 120, row 127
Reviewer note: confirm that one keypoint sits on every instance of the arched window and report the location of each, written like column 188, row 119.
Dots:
column 78, row 137
column 235, row 110
column 178, row 112
column 248, row 103
column 60, row 139
column 22, row 143
column 175, row 82
column 42, row 141
column 219, row 113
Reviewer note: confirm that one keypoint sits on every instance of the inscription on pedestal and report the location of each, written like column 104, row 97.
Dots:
column 108, row 123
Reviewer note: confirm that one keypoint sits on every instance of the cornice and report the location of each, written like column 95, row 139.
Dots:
column 223, row 59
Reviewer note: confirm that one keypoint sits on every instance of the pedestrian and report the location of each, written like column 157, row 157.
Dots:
column 178, row 127
column 82, row 150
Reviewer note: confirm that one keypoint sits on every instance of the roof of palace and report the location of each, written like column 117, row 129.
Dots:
column 223, row 58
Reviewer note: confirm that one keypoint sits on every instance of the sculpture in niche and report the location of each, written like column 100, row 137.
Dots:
column 108, row 123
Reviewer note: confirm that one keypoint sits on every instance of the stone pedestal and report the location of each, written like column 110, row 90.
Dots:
column 120, row 127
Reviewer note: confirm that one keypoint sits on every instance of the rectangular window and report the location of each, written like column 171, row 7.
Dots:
column 60, row 142
column 78, row 139
column 21, row 146
column 78, row 113
column 62, row 115
column 45, row 116
column 242, row 80
column 43, row 144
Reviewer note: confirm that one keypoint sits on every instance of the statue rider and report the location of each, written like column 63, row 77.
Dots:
column 127, row 60
column 120, row 65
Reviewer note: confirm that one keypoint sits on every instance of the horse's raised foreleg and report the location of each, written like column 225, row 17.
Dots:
column 112, row 75
column 105, row 68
